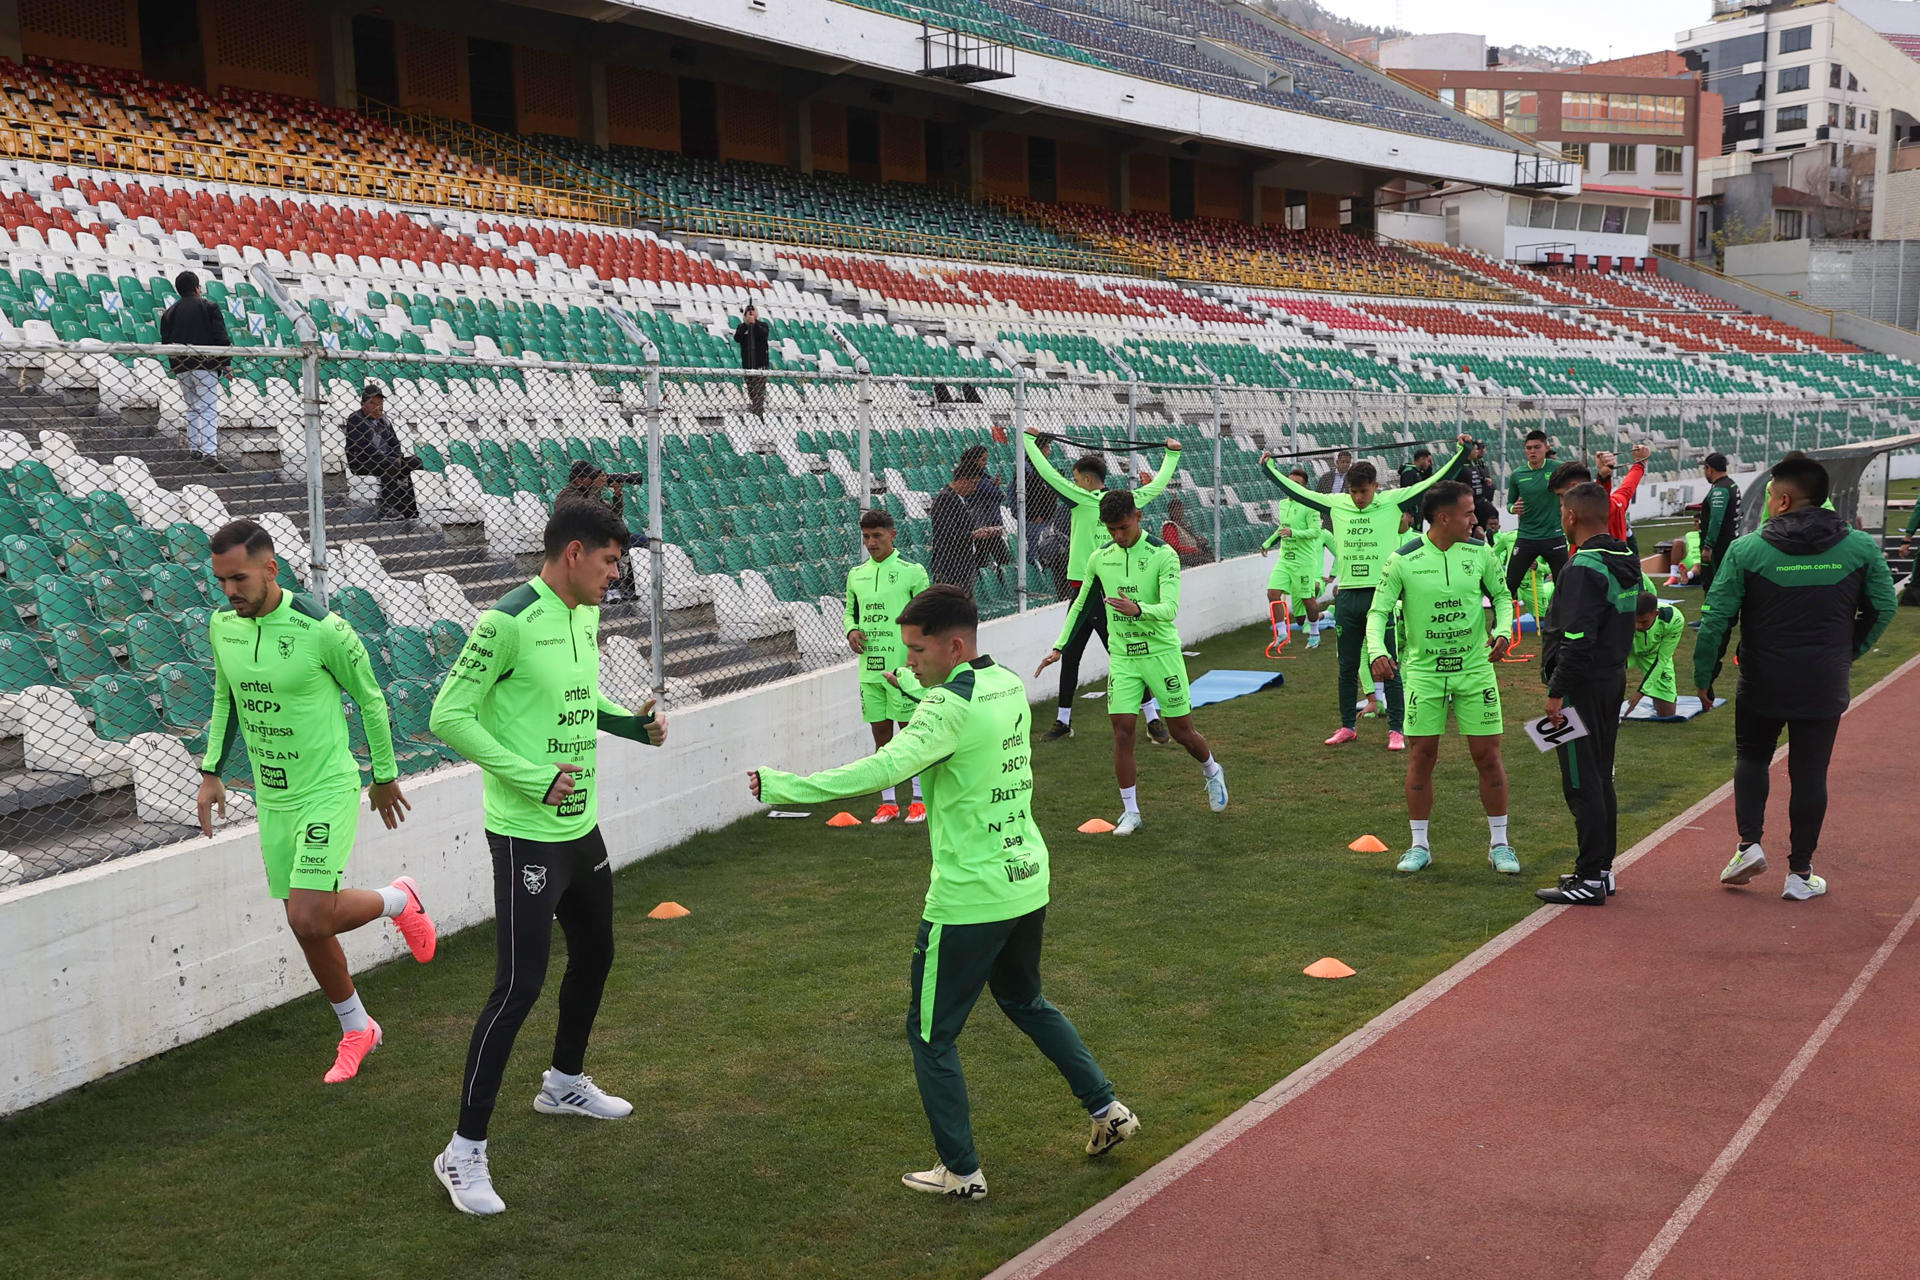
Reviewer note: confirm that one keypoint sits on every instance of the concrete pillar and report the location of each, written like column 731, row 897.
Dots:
column 1119, row 180
column 799, row 122
column 593, row 100
column 339, row 82
column 976, row 164
column 10, row 31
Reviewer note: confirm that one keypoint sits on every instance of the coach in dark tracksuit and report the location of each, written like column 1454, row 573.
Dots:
column 1811, row 595
column 751, row 336
column 1719, row 517
column 1586, row 639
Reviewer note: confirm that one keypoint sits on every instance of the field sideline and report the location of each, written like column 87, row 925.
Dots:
column 762, row 1038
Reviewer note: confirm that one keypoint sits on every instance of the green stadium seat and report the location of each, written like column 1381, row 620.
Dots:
column 153, row 640
column 122, row 707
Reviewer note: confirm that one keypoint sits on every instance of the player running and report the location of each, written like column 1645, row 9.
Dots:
column 1438, row 581
column 986, row 907
column 280, row 664
column 1539, row 536
column 523, row 702
column 878, row 588
column 1657, row 629
column 1366, row 530
column 1086, row 535
column 1298, row 576
column 1143, row 573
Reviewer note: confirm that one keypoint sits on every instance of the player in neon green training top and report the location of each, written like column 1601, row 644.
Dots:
column 986, row 906
column 1300, row 573
column 878, row 588
column 1366, row 530
column 1085, row 536
column 1142, row 576
column 280, row 664
column 1439, row 582
column 1657, row 629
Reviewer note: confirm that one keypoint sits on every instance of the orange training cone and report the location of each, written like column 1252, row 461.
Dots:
column 668, row 911
column 843, row 819
column 1095, row 827
column 1328, row 967
column 1368, row 844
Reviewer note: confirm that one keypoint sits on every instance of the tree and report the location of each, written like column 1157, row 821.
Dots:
column 1732, row 232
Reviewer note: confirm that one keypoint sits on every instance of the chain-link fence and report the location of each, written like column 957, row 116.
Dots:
column 409, row 511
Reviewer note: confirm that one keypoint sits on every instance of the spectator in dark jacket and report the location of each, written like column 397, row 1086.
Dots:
column 986, row 505
column 1478, row 477
column 955, row 533
column 194, row 321
column 1413, row 473
column 1335, row 481
column 373, row 449
column 751, row 337
column 1811, row 595
column 1719, row 519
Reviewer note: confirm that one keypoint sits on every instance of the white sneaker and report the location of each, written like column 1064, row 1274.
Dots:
column 941, row 1181
column 1747, row 863
column 468, row 1181
column 1128, row 824
column 581, row 1098
column 1800, row 888
column 1112, row 1129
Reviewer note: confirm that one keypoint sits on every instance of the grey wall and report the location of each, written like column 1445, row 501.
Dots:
column 1871, row 334
column 1874, row 279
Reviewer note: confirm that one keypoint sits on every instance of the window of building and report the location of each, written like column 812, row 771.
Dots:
column 1671, row 250
column 1574, row 153
column 1484, row 103
column 1636, row 222
column 1787, row 224
column 1517, row 109
column 1567, row 216
column 1666, row 211
column 1873, row 122
column 1621, row 157
column 1790, row 79
column 1795, row 39
column 1518, row 207
column 1585, row 112
column 1852, row 83
column 1851, row 118
column 1669, row 159
column 1834, row 72
column 1446, row 95
column 1542, row 214
column 1833, row 115
column 1787, row 119
column 1592, row 216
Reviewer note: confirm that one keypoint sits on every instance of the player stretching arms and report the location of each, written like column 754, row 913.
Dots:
column 1438, row 581
column 878, row 588
column 523, row 702
column 987, row 905
column 1366, row 530
column 280, row 664
column 1144, row 575
column 1085, row 535
column 1657, row 629
column 1539, row 536
column 1297, row 576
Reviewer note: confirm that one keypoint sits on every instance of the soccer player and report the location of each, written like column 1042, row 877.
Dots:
column 1297, row 575
column 1437, row 582
column 986, row 907
column 1144, row 657
column 523, row 702
column 1086, row 535
column 1585, row 640
column 1812, row 596
column 1685, row 554
column 1539, row 536
column 1656, row 635
column 1366, row 530
column 1719, row 518
column 280, row 664
column 878, row 588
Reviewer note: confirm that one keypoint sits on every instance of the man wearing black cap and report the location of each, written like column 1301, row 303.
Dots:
column 1719, row 516
column 373, row 449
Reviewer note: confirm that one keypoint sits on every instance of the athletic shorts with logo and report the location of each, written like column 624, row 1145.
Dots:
column 879, row 700
column 1473, row 694
column 1301, row 586
column 1131, row 681
column 306, row 846
column 1662, row 683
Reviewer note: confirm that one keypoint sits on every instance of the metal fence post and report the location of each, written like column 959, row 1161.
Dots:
column 312, row 405
column 1133, row 407
column 1219, row 423
column 1020, row 485
column 1293, row 421
column 1506, row 460
column 863, row 411
column 656, row 486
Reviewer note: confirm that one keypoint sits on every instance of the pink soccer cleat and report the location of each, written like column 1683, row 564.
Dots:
column 413, row 922
column 1396, row 741
column 354, row 1048
column 1343, row 737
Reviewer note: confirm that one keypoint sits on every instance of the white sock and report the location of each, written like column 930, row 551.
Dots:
column 558, row 1079
column 1497, row 828
column 1128, row 800
column 393, row 900
column 916, row 787
column 1151, row 709
column 1102, row 1111
column 466, row 1146
column 889, row 796
column 1211, row 768
column 1379, row 688
column 352, row 1014
column 1065, row 715
column 1419, row 826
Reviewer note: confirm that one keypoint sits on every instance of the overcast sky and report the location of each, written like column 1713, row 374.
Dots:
column 1611, row 28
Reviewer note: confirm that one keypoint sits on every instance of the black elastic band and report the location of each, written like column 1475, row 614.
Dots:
column 1346, row 448
column 1103, row 446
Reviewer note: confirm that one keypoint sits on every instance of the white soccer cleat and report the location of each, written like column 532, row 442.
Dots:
column 1112, row 1129
column 942, row 1181
column 1217, row 791
column 468, row 1182
column 1746, row 864
column 1801, row 887
column 1128, row 824
column 581, row 1098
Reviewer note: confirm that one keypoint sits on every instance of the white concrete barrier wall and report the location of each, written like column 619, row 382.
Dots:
column 102, row 968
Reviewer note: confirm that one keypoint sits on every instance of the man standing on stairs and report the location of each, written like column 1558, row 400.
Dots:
column 373, row 449
column 751, row 337
column 194, row 321
column 280, row 664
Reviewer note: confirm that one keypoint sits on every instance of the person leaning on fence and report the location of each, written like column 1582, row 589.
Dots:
column 986, row 504
column 373, row 449
column 194, row 321
column 1178, row 534
column 956, row 533
column 751, row 337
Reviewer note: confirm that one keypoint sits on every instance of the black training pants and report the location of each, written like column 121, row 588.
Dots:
column 1526, row 551
column 534, row 884
column 1586, row 774
column 1092, row 620
column 1809, row 751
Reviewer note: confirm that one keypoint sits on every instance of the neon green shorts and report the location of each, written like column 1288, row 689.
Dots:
column 1300, row 585
column 1661, row 684
column 1474, row 695
column 1133, row 680
column 881, row 701
column 306, row 847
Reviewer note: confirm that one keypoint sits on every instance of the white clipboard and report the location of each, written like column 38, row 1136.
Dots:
column 1548, row 738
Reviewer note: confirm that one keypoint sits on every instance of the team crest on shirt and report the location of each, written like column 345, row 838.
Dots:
column 286, row 646
column 534, row 878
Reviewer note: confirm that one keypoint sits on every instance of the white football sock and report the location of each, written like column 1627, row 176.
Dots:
column 1064, row 715
column 1102, row 1111
column 889, row 796
column 1497, row 828
column 1419, row 826
column 393, row 900
column 1211, row 768
column 558, row 1079
column 1379, row 688
column 916, row 787
column 1129, row 801
column 466, row 1146
column 1151, row 709
column 352, row 1014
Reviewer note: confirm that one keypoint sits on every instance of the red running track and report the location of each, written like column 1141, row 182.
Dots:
column 1689, row 1082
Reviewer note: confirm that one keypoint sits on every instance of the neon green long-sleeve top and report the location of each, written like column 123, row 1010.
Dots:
column 1147, row 573
column 877, row 590
column 1086, row 533
column 1363, row 537
column 1439, row 593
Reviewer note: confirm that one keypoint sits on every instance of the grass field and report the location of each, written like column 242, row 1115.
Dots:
column 762, row 1038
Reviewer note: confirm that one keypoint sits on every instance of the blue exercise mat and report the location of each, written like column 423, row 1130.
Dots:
column 1685, row 707
column 1218, row 686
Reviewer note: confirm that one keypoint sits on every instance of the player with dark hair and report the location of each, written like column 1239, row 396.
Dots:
column 1719, row 518
column 1298, row 575
column 878, row 588
column 1539, row 537
column 1657, row 630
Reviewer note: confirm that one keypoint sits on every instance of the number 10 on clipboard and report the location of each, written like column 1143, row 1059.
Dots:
column 1546, row 735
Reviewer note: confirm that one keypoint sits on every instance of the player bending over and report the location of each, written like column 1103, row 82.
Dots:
column 1657, row 629
column 878, row 588
column 1298, row 576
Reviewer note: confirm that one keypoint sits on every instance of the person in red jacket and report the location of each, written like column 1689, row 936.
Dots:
column 1620, row 496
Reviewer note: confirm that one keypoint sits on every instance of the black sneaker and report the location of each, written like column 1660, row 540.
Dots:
column 1061, row 729
column 1612, row 886
column 1158, row 731
column 1573, row 892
